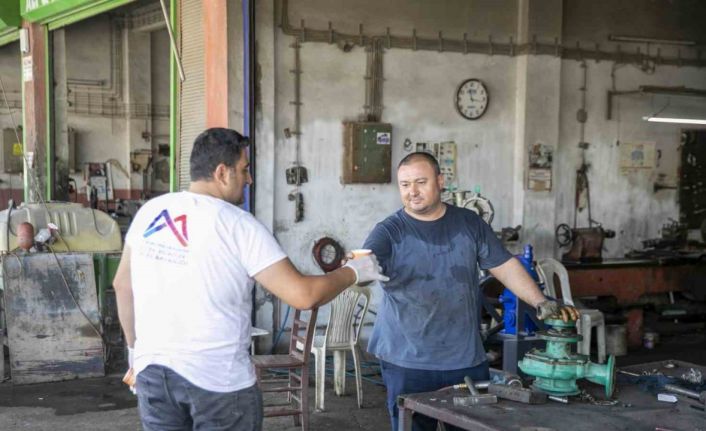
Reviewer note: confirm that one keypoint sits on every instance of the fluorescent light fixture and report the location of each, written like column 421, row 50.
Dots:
column 674, row 120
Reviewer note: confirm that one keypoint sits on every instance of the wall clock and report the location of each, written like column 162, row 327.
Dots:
column 472, row 99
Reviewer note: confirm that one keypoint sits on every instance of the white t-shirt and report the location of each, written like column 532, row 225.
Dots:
column 192, row 261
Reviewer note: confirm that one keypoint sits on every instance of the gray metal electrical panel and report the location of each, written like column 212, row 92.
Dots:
column 11, row 152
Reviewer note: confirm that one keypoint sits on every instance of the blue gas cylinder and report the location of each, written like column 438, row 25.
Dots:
column 509, row 300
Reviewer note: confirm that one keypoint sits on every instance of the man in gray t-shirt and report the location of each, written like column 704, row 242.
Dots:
column 427, row 330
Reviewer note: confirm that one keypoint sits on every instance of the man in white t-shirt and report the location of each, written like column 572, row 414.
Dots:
column 184, row 293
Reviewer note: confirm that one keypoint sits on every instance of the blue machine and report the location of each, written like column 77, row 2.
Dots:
column 509, row 300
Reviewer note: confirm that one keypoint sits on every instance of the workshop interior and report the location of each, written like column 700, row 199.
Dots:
column 575, row 129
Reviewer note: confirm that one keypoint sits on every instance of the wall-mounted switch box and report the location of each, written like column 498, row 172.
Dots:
column 367, row 152
column 296, row 175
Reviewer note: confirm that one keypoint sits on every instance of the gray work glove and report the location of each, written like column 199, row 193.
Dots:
column 552, row 308
column 366, row 269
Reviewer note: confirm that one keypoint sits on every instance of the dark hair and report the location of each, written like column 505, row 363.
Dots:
column 421, row 156
column 213, row 147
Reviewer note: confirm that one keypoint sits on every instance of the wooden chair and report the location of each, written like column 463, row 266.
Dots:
column 296, row 364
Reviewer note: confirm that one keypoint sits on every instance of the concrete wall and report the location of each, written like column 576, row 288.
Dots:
column 626, row 203
column 118, row 79
column 533, row 99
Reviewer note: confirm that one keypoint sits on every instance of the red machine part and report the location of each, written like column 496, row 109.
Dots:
column 25, row 236
column 628, row 282
column 328, row 253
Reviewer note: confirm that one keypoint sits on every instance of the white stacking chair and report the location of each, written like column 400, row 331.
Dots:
column 342, row 334
column 590, row 318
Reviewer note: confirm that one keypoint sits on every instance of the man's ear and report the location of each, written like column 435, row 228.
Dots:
column 440, row 180
column 220, row 174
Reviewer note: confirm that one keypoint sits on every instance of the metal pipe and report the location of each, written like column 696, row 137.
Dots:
column 701, row 396
column 173, row 104
column 677, row 91
column 49, row 101
column 252, row 132
column 563, row 400
column 467, row 46
column 640, row 39
column 172, row 41
column 248, row 117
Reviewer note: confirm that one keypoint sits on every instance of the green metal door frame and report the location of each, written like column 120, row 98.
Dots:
column 49, row 95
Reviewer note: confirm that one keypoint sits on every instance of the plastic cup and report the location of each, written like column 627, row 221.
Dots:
column 360, row 252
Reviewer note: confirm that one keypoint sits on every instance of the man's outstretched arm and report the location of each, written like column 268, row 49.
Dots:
column 308, row 291
column 514, row 276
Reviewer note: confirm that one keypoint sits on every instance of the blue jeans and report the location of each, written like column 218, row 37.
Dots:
column 401, row 380
column 169, row 402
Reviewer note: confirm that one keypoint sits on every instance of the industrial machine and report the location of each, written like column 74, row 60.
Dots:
column 510, row 302
column 586, row 243
column 556, row 368
column 60, row 313
column 516, row 328
column 476, row 203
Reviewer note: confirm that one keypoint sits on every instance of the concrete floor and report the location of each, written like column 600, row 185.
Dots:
column 105, row 404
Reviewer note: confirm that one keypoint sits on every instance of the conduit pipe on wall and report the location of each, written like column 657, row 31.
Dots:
column 489, row 47
column 648, row 89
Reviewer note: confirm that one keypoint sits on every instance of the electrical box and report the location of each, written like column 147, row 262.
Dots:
column 12, row 152
column 367, row 152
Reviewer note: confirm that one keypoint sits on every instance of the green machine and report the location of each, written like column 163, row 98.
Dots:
column 556, row 368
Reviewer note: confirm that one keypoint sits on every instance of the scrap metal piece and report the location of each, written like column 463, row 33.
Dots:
column 667, row 398
column 701, row 396
column 476, row 397
column 563, row 400
column 693, row 376
column 473, row 401
column 521, row 395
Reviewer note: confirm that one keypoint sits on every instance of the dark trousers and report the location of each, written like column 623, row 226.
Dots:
column 169, row 402
column 400, row 380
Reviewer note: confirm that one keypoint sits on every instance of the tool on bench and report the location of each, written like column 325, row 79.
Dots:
column 521, row 395
column 476, row 398
column 563, row 400
column 701, row 396
column 483, row 384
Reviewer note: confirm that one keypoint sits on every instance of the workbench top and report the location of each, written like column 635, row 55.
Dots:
column 635, row 410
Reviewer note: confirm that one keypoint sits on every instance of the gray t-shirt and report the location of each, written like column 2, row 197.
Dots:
column 429, row 315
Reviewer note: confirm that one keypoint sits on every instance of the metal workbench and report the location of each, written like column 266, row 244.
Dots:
column 636, row 409
column 629, row 279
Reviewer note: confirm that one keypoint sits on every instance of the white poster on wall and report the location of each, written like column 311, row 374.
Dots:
column 636, row 155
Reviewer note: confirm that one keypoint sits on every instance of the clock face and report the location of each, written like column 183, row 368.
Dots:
column 472, row 99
